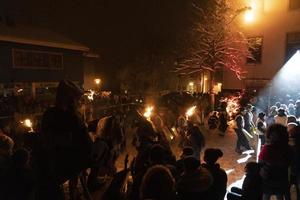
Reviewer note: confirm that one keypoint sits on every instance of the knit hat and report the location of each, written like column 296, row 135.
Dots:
column 212, row 155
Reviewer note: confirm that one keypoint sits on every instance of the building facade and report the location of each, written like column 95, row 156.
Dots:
column 33, row 58
column 273, row 27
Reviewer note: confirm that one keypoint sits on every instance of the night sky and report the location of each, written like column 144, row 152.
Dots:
column 119, row 31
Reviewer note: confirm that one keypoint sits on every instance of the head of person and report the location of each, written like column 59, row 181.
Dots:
column 21, row 158
column 297, row 103
column 242, row 111
column 292, row 119
column 278, row 104
column 111, row 130
column 292, row 129
column 68, row 96
column 273, row 111
column 191, row 164
column 281, row 112
column 277, row 135
column 249, row 108
column 187, row 151
column 212, row 155
column 157, row 154
column 261, row 116
column 158, row 183
column 252, row 169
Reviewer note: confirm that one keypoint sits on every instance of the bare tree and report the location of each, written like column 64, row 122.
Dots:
column 217, row 43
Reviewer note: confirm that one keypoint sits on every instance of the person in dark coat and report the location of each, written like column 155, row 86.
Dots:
column 158, row 183
column 252, row 185
column 195, row 182
column 276, row 158
column 195, row 139
column 242, row 141
column 218, row 189
column 20, row 179
column 65, row 139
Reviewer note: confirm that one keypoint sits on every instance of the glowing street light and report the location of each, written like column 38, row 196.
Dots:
column 249, row 16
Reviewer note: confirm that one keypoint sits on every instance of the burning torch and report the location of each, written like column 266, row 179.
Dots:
column 190, row 112
column 27, row 123
column 148, row 112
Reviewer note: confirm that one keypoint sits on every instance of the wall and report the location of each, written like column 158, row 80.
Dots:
column 72, row 66
column 273, row 20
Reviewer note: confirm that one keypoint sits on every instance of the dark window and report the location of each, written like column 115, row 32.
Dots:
column 30, row 59
column 292, row 44
column 294, row 4
column 255, row 49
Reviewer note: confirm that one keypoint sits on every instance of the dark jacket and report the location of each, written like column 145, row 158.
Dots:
column 218, row 188
column 195, row 184
column 67, row 143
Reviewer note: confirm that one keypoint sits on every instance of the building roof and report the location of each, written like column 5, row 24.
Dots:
column 38, row 36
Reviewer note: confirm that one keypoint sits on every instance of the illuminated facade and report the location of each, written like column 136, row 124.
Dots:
column 273, row 26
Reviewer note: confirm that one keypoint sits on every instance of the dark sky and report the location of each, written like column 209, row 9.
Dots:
column 119, row 30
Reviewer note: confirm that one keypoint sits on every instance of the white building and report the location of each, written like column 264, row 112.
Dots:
column 275, row 26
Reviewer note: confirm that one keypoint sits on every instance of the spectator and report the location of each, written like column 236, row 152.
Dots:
column 261, row 127
column 281, row 117
column 187, row 151
column 218, row 188
column 275, row 158
column 19, row 180
column 65, row 139
column 195, row 181
column 252, row 185
column 158, row 183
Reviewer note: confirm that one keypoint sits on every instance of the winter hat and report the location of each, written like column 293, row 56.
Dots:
column 191, row 163
column 261, row 115
column 212, row 155
column 66, row 92
column 157, row 153
column 187, row 151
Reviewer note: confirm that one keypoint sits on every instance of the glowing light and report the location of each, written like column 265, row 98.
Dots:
column 148, row 112
column 97, row 81
column 171, row 137
column 249, row 16
column 286, row 80
column 90, row 95
column 190, row 111
column 27, row 123
column 233, row 104
column 191, row 84
column 174, row 131
column 20, row 90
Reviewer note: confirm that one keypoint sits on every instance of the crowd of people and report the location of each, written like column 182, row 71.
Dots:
column 275, row 137
column 64, row 149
